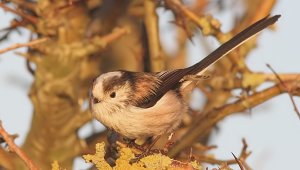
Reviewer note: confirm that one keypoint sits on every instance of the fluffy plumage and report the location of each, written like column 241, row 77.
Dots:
column 139, row 105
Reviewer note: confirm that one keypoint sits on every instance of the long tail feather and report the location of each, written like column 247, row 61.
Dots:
column 233, row 43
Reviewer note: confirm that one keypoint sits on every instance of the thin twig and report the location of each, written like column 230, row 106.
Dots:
column 208, row 159
column 287, row 89
column 14, row 24
column 238, row 161
column 115, row 34
column 19, row 45
column 25, row 16
column 13, row 147
column 25, row 4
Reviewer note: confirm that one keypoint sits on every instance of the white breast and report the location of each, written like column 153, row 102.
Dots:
column 137, row 123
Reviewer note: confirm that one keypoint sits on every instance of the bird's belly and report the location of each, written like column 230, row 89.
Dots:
column 136, row 123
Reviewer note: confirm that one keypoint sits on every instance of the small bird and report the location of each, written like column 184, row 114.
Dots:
column 139, row 105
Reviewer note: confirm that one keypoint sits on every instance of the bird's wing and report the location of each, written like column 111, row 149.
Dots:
column 170, row 79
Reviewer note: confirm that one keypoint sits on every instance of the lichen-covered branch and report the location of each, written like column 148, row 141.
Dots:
column 207, row 24
column 153, row 161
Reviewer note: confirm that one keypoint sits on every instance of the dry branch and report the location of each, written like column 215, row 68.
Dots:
column 207, row 24
column 238, row 161
column 19, row 45
column 151, row 24
column 13, row 147
column 209, row 119
column 6, row 161
column 21, row 14
column 207, row 159
column 25, row 4
column 289, row 91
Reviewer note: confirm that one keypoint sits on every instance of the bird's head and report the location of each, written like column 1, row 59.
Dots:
column 110, row 92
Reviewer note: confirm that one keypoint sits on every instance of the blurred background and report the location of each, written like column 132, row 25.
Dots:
column 271, row 129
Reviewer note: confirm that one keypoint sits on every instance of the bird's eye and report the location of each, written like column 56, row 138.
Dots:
column 113, row 95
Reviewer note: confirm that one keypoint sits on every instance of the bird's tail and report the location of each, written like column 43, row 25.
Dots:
column 230, row 45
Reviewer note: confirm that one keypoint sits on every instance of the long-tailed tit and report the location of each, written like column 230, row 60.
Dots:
column 139, row 105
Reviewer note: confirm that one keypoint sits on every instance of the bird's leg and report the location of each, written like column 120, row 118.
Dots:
column 168, row 145
column 130, row 142
column 148, row 149
column 152, row 143
column 112, row 152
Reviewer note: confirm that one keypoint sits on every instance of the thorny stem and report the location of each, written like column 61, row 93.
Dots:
column 13, row 147
column 287, row 89
column 243, row 156
column 238, row 161
column 209, row 119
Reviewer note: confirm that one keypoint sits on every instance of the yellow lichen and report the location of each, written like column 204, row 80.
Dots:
column 55, row 166
column 195, row 165
column 156, row 161
column 151, row 162
column 98, row 159
column 123, row 161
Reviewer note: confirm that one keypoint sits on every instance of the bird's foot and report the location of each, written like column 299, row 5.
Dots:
column 167, row 147
column 146, row 149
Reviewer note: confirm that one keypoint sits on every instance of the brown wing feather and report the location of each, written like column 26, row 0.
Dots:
column 170, row 79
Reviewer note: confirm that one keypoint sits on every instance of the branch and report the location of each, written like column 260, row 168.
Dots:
column 25, row 4
column 207, row 24
column 151, row 24
column 210, row 119
column 6, row 160
column 289, row 91
column 238, row 161
column 13, row 147
column 97, row 43
column 255, row 12
column 243, row 156
column 25, row 16
column 28, row 44
column 70, row 3
column 116, row 33
column 77, row 121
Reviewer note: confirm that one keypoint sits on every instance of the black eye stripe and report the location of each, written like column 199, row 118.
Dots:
column 114, row 82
